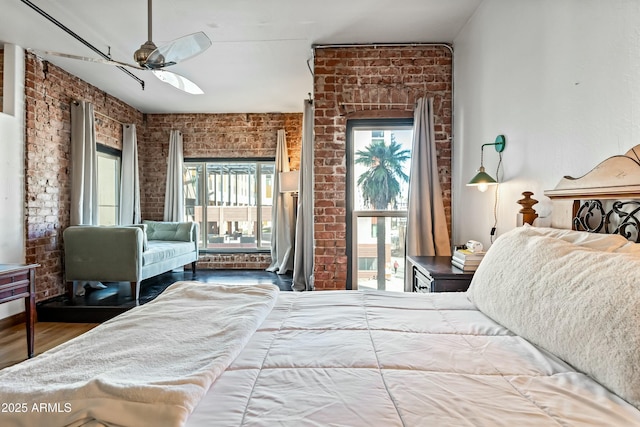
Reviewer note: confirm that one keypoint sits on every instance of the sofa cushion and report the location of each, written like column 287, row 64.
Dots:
column 176, row 231
column 579, row 303
column 162, row 250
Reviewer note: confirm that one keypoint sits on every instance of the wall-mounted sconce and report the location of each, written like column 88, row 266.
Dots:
column 483, row 180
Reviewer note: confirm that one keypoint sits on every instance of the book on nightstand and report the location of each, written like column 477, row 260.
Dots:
column 467, row 255
column 464, row 267
column 466, row 260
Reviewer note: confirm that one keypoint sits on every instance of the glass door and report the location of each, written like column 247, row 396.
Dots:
column 379, row 158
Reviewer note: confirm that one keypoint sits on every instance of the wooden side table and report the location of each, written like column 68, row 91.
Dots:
column 19, row 281
column 436, row 274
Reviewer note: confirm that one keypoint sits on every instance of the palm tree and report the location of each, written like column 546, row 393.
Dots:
column 380, row 185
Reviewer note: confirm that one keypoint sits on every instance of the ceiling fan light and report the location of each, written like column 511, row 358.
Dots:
column 178, row 81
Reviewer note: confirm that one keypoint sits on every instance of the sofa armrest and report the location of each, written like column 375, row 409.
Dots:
column 195, row 236
column 97, row 253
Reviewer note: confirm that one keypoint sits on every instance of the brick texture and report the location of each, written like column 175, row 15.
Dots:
column 249, row 261
column 48, row 94
column 380, row 82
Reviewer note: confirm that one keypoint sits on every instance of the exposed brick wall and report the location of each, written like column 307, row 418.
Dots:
column 375, row 82
column 210, row 135
column 250, row 261
column 49, row 92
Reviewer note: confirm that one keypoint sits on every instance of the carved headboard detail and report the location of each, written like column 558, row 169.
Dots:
column 605, row 200
column 622, row 218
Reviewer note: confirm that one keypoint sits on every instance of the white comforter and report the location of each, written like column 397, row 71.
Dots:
column 147, row 367
column 317, row 359
column 385, row 359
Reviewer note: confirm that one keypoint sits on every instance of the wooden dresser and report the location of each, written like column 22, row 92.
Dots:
column 19, row 281
column 436, row 274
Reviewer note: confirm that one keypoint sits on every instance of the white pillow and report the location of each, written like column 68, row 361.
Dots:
column 579, row 303
column 601, row 242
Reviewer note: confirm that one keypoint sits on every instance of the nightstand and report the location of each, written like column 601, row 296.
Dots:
column 17, row 281
column 436, row 274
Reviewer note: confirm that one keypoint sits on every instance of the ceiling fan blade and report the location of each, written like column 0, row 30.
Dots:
column 178, row 50
column 178, row 81
column 85, row 58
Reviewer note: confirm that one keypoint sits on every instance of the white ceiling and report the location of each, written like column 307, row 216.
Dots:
column 258, row 60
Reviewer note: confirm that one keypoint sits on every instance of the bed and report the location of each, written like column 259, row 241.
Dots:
column 548, row 334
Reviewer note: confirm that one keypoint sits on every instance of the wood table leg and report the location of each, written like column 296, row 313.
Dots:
column 30, row 312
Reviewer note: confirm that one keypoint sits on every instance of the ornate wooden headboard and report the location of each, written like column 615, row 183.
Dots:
column 605, row 200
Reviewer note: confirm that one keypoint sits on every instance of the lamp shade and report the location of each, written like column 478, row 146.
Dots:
column 289, row 181
column 482, row 180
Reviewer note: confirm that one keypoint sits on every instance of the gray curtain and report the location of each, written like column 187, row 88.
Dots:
column 427, row 233
column 84, row 174
column 130, row 179
column 303, row 256
column 281, row 214
column 84, row 162
column 173, row 196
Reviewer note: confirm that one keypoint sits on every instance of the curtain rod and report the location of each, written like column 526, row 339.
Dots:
column 110, row 118
column 97, row 113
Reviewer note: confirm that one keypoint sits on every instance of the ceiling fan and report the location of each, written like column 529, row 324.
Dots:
column 156, row 59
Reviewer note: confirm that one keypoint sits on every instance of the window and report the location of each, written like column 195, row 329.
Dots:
column 377, row 207
column 108, row 185
column 231, row 201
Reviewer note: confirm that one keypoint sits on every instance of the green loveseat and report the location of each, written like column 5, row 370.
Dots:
column 127, row 253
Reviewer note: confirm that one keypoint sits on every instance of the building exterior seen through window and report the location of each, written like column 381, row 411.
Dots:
column 231, row 201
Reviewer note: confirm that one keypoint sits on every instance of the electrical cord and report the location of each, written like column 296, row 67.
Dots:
column 496, row 198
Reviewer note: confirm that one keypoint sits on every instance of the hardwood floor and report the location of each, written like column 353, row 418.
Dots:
column 13, row 340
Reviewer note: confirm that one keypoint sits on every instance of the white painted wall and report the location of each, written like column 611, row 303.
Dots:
column 560, row 79
column 12, row 237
